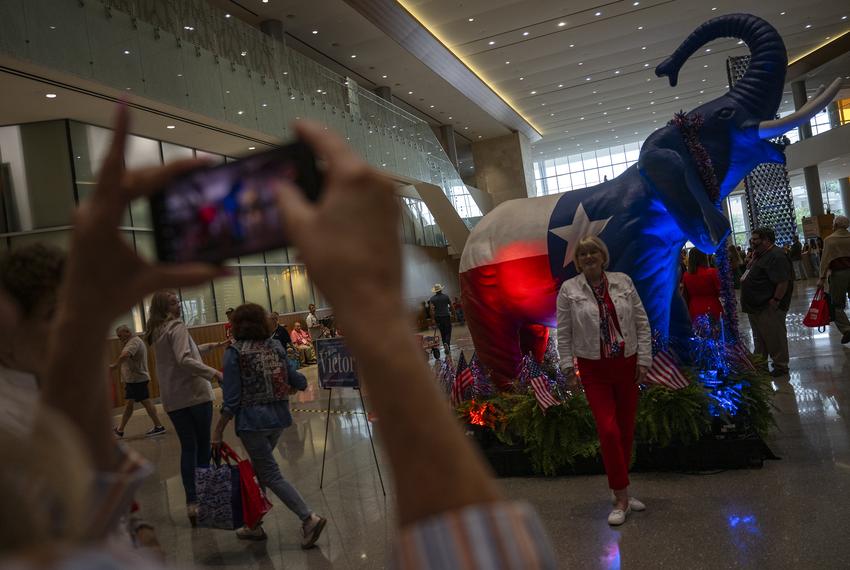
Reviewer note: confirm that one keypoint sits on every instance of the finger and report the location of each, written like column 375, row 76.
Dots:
column 111, row 171
column 339, row 156
column 147, row 181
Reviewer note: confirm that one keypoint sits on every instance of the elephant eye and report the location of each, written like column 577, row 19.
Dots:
column 726, row 113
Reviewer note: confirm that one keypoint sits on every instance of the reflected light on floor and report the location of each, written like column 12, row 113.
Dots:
column 611, row 559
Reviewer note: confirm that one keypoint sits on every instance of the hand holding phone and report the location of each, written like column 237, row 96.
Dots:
column 216, row 213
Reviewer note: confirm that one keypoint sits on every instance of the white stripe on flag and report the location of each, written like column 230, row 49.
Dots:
column 665, row 372
column 544, row 397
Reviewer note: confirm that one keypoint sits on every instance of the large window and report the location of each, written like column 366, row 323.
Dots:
column 575, row 171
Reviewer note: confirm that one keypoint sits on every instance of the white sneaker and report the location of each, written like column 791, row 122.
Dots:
column 618, row 516
column 634, row 504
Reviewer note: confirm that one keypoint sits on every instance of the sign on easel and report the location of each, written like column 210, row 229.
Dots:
column 337, row 369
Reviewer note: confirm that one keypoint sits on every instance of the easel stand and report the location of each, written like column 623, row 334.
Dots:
column 368, row 430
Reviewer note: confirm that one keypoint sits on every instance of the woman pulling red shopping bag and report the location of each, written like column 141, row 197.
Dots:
column 818, row 313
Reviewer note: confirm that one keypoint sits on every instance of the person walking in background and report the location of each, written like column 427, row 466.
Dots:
column 814, row 253
column 441, row 309
column 185, row 388
column 602, row 323
column 766, row 289
column 734, row 264
column 256, row 387
column 228, row 326
column 458, row 308
column 133, row 361
column 701, row 287
column 303, row 344
column 835, row 265
column 796, row 254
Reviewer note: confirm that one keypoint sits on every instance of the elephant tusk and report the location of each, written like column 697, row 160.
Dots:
column 776, row 127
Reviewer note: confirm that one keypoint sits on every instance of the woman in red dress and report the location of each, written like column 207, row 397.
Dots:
column 701, row 287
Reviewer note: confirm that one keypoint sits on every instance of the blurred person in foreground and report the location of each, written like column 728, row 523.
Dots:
column 835, row 266
column 445, row 494
column 258, row 381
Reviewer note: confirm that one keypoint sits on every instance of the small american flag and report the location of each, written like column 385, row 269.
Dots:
column 665, row 371
column 739, row 354
column 540, row 385
column 463, row 380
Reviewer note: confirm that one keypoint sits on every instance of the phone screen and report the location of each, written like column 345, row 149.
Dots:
column 222, row 212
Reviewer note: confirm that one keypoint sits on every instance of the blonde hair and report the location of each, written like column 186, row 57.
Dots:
column 591, row 243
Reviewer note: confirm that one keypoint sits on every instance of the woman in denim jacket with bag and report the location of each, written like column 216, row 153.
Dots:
column 603, row 325
column 258, row 380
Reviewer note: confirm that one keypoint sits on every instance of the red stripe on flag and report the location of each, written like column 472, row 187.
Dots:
column 664, row 371
column 540, row 386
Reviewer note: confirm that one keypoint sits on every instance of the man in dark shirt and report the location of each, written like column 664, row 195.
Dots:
column 766, row 289
column 441, row 309
column 279, row 332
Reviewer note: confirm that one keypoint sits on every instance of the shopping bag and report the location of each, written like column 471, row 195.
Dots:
column 219, row 496
column 818, row 313
column 255, row 505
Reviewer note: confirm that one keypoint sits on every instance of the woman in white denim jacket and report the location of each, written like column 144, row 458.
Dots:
column 603, row 325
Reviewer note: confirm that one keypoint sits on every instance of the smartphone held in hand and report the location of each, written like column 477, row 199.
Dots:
column 216, row 213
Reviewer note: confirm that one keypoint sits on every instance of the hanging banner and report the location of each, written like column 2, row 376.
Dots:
column 337, row 368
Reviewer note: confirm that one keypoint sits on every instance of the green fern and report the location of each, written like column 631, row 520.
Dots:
column 665, row 416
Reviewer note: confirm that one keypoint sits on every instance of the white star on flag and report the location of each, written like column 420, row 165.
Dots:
column 581, row 227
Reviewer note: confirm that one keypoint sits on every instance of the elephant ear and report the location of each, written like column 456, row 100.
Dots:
column 677, row 184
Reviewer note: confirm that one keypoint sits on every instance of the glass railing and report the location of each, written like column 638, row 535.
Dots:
column 195, row 56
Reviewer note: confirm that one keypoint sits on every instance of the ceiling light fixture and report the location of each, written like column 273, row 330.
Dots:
column 491, row 43
column 808, row 26
column 617, row 72
column 522, row 78
column 227, row 15
column 240, row 112
column 431, row 107
column 315, row 32
column 561, row 24
column 525, row 33
column 587, row 78
column 507, row 63
column 353, row 56
column 50, row 95
column 384, row 76
column 640, row 27
column 781, row 13
column 646, row 65
column 636, row 4
column 252, row 148
column 471, row 19
column 598, row 14
column 410, row 92
column 534, row 92
column 707, row 50
column 126, row 52
column 170, row 127
column 560, row 86
column 581, row 63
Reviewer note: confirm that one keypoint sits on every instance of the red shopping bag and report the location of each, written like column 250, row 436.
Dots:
column 818, row 313
column 255, row 505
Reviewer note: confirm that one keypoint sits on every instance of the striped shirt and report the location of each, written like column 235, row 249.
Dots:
column 503, row 535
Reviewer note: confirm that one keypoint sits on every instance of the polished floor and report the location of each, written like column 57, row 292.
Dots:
column 790, row 514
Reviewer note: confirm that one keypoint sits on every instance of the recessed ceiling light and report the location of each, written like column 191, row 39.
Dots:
column 189, row 28
column 50, row 95
column 581, row 63
column 781, row 13
column 479, row 136
column 170, row 127
column 598, row 14
column 534, row 92
column 450, row 118
column 126, row 52
column 525, row 33
column 740, row 42
column 843, row 17
column 713, row 9
column 315, row 32
column 560, row 85
column 52, row 27
column 432, row 107
column 353, row 56
column 522, row 78
column 581, row 118
column 252, row 148
column 472, row 19
column 466, row 128
column 643, row 47
column 640, row 27
column 617, row 72
column 240, row 112
column 587, row 78
column 646, row 65
column 491, row 42
column 628, row 108
column 706, row 65
column 808, row 26
column 636, row 4
column 227, row 15
column 507, row 63
column 410, row 92
column 707, row 50
column 265, row 105
column 572, row 45
column 384, row 76
column 561, row 24
column 244, row 53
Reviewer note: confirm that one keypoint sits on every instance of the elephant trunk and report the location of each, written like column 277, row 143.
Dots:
column 759, row 91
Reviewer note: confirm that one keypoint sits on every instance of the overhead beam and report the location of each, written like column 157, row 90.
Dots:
column 398, row 23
